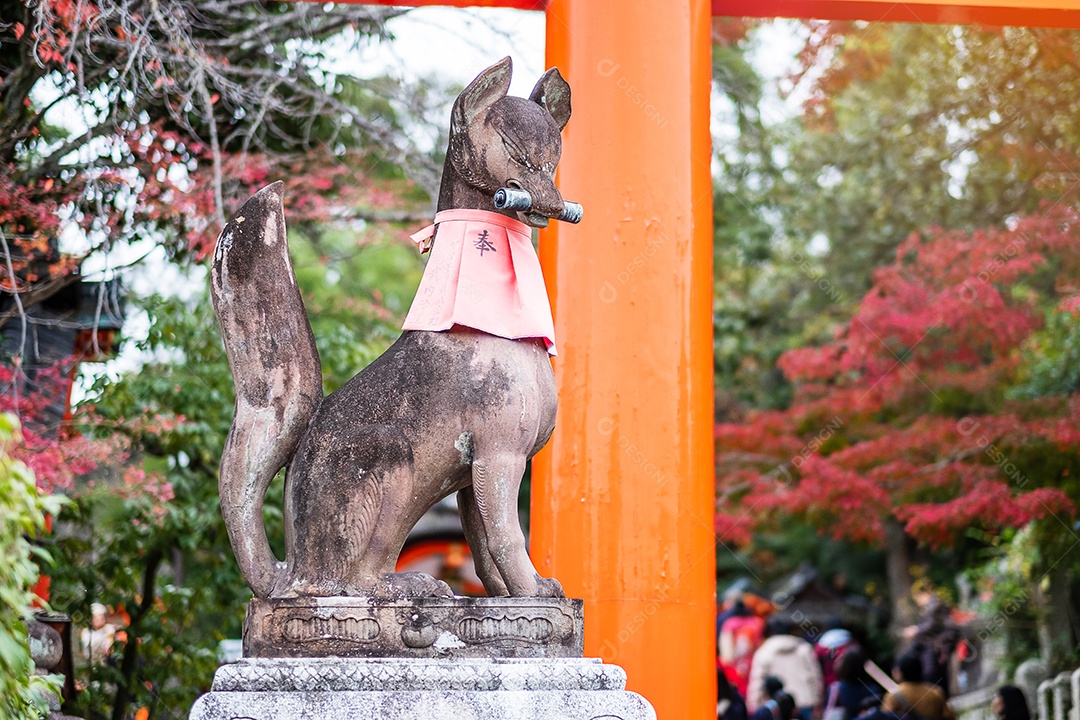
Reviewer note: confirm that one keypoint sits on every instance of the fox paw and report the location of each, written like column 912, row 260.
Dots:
column 409, row 585
column 549, row 588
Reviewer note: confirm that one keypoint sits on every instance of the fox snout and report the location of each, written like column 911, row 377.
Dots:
column 546, row 198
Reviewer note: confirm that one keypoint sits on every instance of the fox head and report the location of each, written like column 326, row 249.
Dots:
column 501, row 141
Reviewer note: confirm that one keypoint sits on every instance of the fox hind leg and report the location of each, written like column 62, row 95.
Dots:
column 349, row 509
column 378, row 564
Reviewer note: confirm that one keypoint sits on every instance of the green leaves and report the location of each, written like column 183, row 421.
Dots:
column 1051, row 358
column 357, row 288
column 146, row 535
column 22, row 517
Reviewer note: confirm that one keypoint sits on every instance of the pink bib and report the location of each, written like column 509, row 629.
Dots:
column 484, row 274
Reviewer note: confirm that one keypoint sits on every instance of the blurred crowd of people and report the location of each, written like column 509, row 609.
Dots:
column 770, row 668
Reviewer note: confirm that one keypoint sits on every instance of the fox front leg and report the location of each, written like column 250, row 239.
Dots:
column 473, row 525
column 496, row 480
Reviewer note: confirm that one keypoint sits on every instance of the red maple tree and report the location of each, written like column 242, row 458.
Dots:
column 123, row 121
column 909, row 423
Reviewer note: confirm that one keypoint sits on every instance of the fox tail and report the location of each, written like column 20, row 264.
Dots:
column 275, row 368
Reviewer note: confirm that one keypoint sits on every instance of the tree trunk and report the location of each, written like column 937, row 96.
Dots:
column 130, row 664
column 898, row 568
column 1060, row 618
column 1042, row 625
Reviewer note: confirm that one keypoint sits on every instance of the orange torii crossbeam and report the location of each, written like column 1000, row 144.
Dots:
column 623, row 496
column 1042, row 13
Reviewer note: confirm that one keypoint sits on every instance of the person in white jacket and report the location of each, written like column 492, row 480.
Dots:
column 791, row 659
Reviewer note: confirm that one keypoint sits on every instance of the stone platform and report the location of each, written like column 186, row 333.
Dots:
column 454, row 628
column 426, row 659
column 420, row 689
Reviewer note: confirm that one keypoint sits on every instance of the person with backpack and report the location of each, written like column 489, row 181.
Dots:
column 934, row 642
column 851, row 688
column 729, row 701
column 832, row 644
column 778, row 704
column 793, row 661
column 914, row 699
column 740, row 636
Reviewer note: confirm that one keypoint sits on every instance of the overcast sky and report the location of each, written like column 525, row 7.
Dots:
column 456, row 44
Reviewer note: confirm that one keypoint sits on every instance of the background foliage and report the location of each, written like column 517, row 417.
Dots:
column 22, row 520
column 895, row 299
column 895, row 309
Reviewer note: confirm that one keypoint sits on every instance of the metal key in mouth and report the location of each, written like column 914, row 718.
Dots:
column 514, row 199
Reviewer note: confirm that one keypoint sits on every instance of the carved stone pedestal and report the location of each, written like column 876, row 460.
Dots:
column 422, row 628
column 420, row 689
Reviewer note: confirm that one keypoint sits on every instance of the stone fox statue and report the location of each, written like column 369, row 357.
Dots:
column 440, row 412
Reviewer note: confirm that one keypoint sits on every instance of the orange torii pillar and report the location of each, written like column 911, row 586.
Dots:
column 623, row 496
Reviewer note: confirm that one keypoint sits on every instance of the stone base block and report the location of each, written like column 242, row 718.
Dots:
column 314, row 627
column 403, row 689
column 399, row 675
column 507, row 705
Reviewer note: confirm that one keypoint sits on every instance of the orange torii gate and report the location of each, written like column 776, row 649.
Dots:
column 623, row 496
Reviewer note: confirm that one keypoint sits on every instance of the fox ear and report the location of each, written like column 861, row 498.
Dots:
column 553, row 94
column 488, row 87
